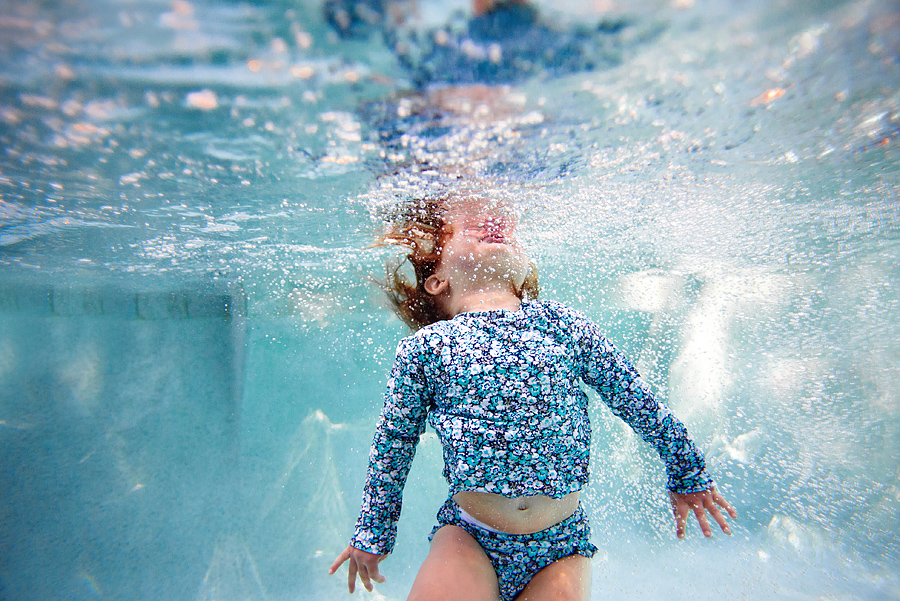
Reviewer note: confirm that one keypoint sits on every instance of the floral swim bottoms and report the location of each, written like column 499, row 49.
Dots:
column 518, row 557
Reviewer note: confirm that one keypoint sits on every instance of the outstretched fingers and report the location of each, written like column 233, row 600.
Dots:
column 361, row 564
column 721, row 502
column 700, row 503
column 344, row 556
column 365, row 578
column 679, row 511
column 718, row 517
column 375, row 574
column 368, row 573
column 713, row 501
column 700, row 514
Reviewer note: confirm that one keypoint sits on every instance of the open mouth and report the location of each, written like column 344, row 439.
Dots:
column 490, row 236
column 494, row 239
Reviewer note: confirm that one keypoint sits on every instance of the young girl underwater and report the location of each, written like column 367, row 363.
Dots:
column 496, row 373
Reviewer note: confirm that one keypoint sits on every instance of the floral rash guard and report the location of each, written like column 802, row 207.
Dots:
column 502, row 390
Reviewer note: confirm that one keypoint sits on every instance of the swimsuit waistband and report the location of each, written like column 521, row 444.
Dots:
column 466, row 517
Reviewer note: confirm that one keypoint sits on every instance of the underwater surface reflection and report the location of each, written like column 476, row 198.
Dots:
column 192, row 356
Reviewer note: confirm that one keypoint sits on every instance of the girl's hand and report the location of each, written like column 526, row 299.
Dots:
column 700, row 503
column 361, row 562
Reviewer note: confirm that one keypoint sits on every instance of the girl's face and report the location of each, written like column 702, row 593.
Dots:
column 479, row 247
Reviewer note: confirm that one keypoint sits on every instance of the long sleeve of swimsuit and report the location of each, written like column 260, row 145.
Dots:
column 401, row 424
column 611, row 374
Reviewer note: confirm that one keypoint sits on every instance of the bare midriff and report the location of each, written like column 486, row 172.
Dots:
column 517, row 515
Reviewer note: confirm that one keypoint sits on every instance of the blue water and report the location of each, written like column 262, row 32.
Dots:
column 192, row 357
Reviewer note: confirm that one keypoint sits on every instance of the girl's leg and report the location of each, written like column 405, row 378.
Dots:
column 568, row 579
column 456, row 569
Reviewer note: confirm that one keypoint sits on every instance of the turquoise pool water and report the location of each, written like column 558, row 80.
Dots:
column 192, row 358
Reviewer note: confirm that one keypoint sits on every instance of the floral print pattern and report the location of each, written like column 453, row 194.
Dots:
column 518, row 557
column 502, row 390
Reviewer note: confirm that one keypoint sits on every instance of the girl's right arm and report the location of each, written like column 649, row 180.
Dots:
column 402, row 422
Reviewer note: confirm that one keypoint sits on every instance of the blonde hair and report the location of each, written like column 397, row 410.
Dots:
column 421, row 227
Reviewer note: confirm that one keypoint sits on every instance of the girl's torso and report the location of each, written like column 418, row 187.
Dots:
column 517, row 515
column 508, row 410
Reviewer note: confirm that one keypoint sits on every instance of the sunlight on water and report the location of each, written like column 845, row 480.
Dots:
column 193, row 355
column 232, row 574
column 311, row 460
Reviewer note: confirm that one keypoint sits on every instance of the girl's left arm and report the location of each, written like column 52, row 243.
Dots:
column 700, row 503
column 611, row 374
